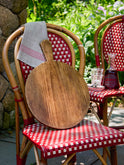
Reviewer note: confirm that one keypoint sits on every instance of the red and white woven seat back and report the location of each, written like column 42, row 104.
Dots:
column 61, row 52
column 113, row 42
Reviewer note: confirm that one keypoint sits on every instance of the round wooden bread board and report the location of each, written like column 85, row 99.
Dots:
column 56, row 94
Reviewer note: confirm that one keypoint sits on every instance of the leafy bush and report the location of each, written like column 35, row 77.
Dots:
column 82, row 18
column 46, row 9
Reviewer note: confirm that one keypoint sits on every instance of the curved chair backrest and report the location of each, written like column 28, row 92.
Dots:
column 111, row 42
column 62, row 51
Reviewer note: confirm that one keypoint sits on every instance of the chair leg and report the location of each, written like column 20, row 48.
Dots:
column 38, row 161
column 104, row 155
column 100, row 110
column 113, row 148
column 100, row 157
column 105, row 117
column 20, row 161
column 113, row 155
column 43, row 161
column 72, row 161
column 69, row 158
column 36, row 155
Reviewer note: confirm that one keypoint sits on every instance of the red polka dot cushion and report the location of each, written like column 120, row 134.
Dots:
column 84, row 136
column 99, row 95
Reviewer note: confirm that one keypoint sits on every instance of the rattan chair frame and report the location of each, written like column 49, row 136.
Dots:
column 20, row 101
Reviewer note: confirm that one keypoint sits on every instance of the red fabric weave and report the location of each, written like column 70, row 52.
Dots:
column 20, row 161
column 29, row 121
column 113, row 42
column 100, row 95
column 85, row 136
column 97, row 60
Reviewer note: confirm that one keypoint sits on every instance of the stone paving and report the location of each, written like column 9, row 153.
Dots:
column 8, row 147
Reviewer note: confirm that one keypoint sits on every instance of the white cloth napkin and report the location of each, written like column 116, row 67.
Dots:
column 30, row 51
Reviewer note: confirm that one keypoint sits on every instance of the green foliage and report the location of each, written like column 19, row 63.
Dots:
column 82, row 18
column 39, row 10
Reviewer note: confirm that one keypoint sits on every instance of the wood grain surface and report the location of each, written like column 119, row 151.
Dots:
column 56, row 94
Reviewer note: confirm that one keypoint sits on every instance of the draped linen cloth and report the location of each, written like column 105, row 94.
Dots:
column 30, row 51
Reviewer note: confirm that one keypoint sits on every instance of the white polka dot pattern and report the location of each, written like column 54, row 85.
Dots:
column 99, row 96
column 61, row 52
column 113, row 42
column 86, row 135
column 26, row 69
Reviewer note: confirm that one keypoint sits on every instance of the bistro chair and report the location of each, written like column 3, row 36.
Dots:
column 86, row 135
column 112, row 41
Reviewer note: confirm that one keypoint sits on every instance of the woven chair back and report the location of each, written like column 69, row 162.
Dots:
column 113, row 42
column 62, row 51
